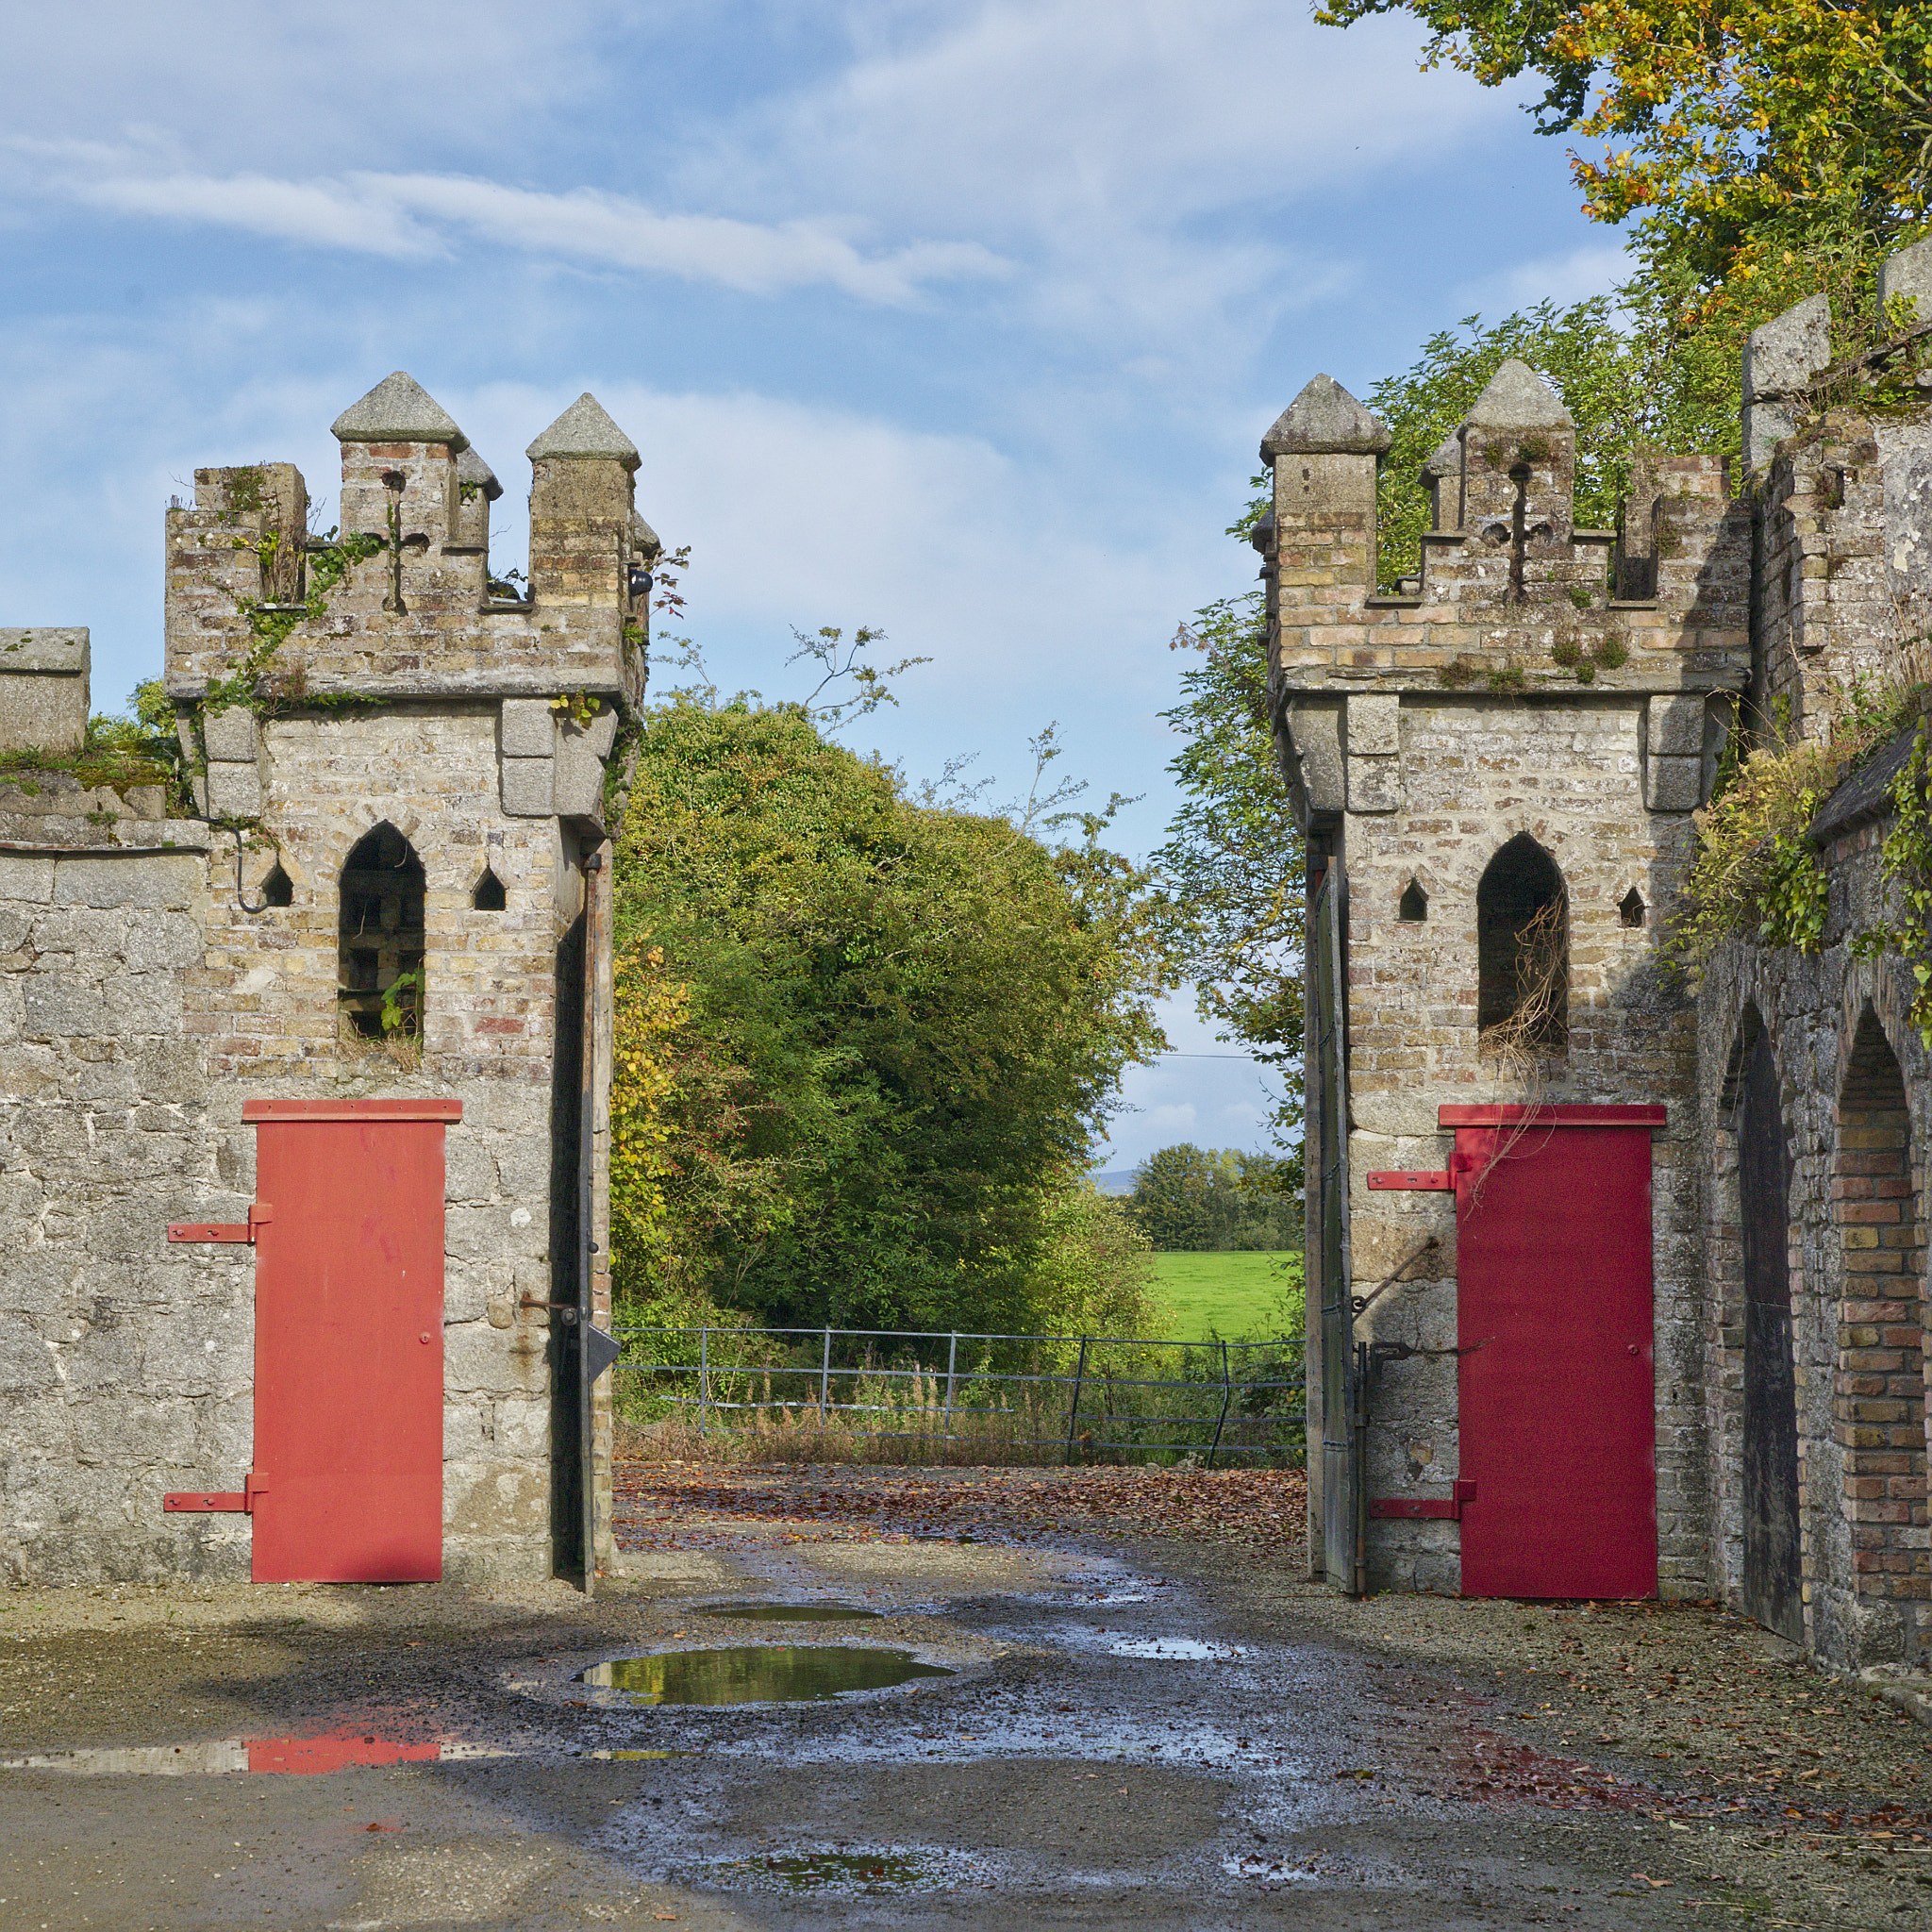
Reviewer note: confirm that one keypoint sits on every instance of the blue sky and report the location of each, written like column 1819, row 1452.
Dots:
column 959, row 320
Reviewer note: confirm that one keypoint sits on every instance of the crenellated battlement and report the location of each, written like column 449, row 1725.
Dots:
column 402, row 602
column 1508, row 586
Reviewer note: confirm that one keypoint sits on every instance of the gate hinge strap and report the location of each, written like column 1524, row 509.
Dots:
column 235, row 1232
column 202, row 1501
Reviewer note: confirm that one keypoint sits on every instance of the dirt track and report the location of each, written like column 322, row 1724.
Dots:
column 1399, row 1762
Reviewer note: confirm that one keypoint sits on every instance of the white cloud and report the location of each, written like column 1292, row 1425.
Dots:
column 400, row 215
column 1143, row 156
column 1575, row 276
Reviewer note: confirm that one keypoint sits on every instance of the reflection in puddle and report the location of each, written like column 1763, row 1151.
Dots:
column 790, row 1613
column 1180, row 1649
column 755, row 1674
column 856, row 1873
column 297, row 1756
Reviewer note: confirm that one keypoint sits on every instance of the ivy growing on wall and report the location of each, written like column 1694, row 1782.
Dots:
column 1755, row 872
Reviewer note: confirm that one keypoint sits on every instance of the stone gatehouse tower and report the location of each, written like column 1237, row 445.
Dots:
column 374, row 963
column 1622, row 1282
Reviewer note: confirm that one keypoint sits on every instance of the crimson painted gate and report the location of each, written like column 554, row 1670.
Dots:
column 348, row 1231
column 1554, row 1316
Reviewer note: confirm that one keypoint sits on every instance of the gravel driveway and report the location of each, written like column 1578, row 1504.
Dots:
column 1151, row 1720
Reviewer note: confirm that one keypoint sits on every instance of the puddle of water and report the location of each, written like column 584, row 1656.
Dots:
column 1178, row 1650
column 788, row 1613
column 856, row 1871
column 755, row 1673
column 855, row 1874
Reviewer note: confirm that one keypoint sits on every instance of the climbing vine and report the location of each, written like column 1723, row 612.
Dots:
column 1755, row 870
column 329, row 560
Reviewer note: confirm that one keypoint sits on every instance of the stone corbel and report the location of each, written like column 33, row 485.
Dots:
column 1673, row 762
column 526, row 745
column 1374, row 753
column 580, row 752
column 232, row 739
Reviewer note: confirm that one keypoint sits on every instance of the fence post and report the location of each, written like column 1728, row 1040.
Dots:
column 704, row 1376
column 1074, row 1413
column 951, row 1363
column 826, row 1379
column 1227, row 1396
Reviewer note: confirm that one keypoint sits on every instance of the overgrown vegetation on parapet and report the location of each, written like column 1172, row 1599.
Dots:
column 1757, row 872
column 120, row 754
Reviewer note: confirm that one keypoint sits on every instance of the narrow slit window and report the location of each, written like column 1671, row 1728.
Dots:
column 1522, row 950
column 1414, row 906
column 1632, row 909
column 380, row 960
column 488, row 895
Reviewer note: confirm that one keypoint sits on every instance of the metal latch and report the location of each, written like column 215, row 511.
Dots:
column 236, row 1232
column 1434, row 1182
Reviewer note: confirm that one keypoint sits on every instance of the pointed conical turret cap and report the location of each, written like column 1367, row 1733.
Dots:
column 470, row 468
column 1324, row 420
column 1519, row 398
column 585, row 429
column 398, row 410
column 1446, row 460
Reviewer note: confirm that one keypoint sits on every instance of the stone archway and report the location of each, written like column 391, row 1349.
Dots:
column 1879, row 1386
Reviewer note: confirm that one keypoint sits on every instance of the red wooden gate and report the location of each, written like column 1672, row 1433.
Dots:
column 1554, row 1289
column 348, row 1229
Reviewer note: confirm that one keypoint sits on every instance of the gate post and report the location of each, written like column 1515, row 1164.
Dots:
column 1073, row 1412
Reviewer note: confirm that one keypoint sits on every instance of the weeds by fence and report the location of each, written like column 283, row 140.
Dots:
column 838, row 1394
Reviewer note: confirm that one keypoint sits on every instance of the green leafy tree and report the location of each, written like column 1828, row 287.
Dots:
column 1194, row 1199
column 1233, row 859
column 1732, row 131
column 897, row 1029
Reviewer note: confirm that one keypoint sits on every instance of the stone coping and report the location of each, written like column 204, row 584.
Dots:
column 136, row 837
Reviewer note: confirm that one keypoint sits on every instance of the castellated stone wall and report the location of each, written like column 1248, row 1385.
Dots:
column 1570, row 688
column 147, row 993
column 1571, row 773
column 1576, row 691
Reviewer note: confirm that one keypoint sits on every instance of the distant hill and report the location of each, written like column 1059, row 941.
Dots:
column 1117, row 1180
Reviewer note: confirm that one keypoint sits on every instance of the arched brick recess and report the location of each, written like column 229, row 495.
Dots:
column 1879, row 1386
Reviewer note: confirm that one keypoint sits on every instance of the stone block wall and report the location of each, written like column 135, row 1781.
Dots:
column 43, row 690
column 1473, row 774
column 155, row 976
column 1846, row 1056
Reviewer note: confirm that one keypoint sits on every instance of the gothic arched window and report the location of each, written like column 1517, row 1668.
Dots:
column 380, row 964
column 1522, row 947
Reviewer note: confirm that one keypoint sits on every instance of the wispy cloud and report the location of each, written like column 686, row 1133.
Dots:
column 401, row 215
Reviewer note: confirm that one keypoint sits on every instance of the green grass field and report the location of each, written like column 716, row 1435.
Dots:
column 1231, row 1293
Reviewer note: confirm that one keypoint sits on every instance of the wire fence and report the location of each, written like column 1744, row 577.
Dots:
column 885, row 1394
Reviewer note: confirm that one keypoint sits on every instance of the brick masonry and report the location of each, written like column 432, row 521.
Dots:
column 145, row 995
column 1580, row 686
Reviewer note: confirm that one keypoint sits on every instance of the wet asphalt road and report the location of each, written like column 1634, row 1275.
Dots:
column 1061, row 1777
